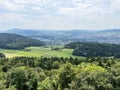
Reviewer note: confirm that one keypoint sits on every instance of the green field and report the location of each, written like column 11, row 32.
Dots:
column 38, row 52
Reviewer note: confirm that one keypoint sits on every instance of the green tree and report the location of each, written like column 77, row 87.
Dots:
column 2, row 55
column 91, row 78
column 22, row 78
column 66, row 76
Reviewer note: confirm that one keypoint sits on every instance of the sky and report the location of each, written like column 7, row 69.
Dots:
column 60, row 14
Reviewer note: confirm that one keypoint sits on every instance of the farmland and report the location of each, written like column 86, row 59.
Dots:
column 38, row 52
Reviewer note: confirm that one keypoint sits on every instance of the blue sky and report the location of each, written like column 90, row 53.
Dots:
column 60, row 14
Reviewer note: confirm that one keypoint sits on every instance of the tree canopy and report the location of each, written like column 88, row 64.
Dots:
column 58, row 73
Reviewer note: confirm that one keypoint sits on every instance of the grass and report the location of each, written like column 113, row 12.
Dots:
column 38, row 52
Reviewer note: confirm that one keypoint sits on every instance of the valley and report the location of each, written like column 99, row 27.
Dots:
column 59, row 60
column 38, row 52
column 59, row 37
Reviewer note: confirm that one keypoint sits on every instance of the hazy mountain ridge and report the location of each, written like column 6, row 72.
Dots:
column 62, row 36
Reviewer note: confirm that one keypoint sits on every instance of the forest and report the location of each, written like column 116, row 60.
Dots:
column 94, row 49
column 59, row 73
column 14, row 41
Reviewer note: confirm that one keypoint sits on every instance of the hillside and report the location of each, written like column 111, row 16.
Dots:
column 94, row 49
column 62, row 37
column 14, row 41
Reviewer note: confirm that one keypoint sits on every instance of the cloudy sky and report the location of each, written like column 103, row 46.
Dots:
column 60, row 14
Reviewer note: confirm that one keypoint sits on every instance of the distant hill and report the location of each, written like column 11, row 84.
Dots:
column 111, row 31
column 21, row 31
column 63, row 37
column 53, row 36
column 94, row 49
column 14, row 41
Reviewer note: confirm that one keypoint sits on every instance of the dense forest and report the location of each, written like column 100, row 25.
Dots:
column 94, row 49
column 59, row 73
column 14, row 41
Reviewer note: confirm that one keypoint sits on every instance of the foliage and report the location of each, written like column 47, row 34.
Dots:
column 66, row 76
column 59, row 73
column 23, row 78
column 2, row 55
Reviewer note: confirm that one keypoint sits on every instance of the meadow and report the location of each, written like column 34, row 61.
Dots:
column 38, row 52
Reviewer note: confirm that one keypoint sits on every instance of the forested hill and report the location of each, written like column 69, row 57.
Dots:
column 94, row 49
column 14, row 41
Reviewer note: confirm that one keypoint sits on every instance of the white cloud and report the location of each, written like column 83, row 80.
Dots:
column 67, row 7
column 6, row 4
column 90, row 7
column 60, row 14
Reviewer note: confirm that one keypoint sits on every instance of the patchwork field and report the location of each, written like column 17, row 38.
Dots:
column 38, row 52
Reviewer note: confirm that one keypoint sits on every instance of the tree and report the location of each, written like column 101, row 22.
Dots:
column 55, row 65
column 2, row 55
column 22, row 78
column 45, row 85
column 91, row 78
column 66, row 76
